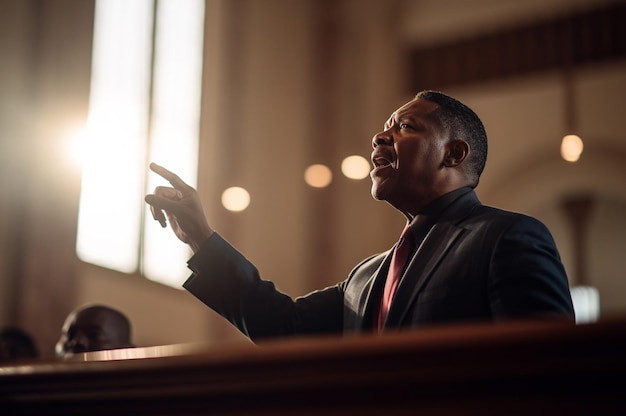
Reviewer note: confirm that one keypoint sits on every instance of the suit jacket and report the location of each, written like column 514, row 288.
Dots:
column 475, row 263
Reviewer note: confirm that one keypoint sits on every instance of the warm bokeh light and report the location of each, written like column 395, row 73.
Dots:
column 318, row 176
column 235, row 199
column 571, row 148
column 355, row 167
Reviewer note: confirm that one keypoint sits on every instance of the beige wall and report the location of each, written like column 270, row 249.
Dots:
column 278, row 96
column 44, row 56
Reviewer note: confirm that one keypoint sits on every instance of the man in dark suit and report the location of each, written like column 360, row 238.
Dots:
column 464, row 261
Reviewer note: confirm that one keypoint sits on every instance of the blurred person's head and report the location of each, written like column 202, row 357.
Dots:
column 16, row 344
column 94, row 328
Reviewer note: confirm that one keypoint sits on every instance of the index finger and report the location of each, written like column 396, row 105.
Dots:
column 171, row 177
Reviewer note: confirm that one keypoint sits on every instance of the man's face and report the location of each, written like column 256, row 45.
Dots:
column 408, row 158
column 89, row 330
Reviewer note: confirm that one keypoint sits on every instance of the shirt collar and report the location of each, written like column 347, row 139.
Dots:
column 431, row 212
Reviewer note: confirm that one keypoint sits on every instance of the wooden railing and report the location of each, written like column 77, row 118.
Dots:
column 505, row 369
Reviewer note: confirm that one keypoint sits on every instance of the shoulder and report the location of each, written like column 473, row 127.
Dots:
column 498, row 216
column 364, row 270
column 468, row 208
column 369, row 265
column 490, row 224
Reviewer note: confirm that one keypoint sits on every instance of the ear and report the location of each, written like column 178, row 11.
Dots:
column 456, row 153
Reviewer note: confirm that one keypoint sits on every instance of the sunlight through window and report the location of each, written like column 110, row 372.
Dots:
column 139, row 113
column 175, row 124
column 115, row 136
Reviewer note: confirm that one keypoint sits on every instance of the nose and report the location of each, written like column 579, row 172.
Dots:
column 383, row 137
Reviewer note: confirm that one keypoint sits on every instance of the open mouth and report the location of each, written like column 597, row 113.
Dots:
column 381, row 162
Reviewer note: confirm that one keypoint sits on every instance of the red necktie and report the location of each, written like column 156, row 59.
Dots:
column 399, row 260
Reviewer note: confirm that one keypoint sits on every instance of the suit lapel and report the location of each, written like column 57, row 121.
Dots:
column 420, row 269
column 374, row 292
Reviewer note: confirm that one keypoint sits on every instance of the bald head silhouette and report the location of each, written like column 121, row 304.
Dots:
column 94, row 328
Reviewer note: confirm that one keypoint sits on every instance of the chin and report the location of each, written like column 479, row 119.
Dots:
column 378, row 193
column 375, row 192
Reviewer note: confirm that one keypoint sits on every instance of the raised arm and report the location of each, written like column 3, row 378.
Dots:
column 181, row 205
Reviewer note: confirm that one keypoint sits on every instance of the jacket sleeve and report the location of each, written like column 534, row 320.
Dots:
column 526, row 276
column 230, row 284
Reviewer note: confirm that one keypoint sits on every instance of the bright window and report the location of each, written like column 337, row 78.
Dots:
column 144, row 106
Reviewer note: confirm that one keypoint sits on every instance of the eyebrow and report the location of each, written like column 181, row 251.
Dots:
column 409, row 117
column 395, row 117
column 388, row 121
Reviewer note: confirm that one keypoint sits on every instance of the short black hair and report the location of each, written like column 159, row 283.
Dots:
column 461, row 122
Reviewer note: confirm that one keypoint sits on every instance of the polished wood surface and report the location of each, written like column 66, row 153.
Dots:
column 508, row 368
